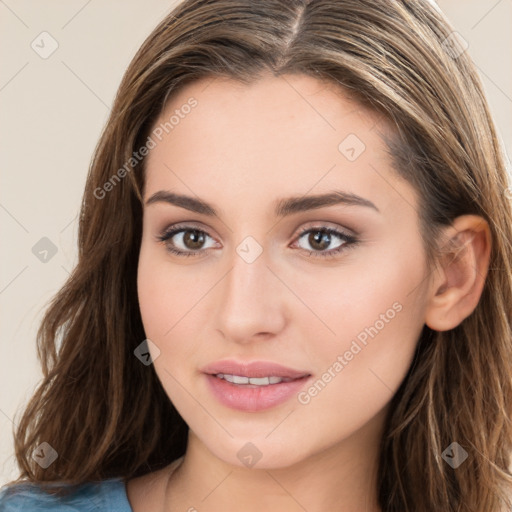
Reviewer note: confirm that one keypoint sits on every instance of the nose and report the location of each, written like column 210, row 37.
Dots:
column 252, row 303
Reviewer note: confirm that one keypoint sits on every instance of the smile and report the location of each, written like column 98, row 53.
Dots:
column 255, row 381
column 253, row 394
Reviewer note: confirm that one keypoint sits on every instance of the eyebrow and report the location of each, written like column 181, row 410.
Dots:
column 283, row 207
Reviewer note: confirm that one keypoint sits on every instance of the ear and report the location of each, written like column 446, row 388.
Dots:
column 463, row 264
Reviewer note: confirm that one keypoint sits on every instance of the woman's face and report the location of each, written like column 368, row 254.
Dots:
column 261, row 278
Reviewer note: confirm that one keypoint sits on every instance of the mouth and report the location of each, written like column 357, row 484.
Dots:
column 237, row 372
column 255, row 386
column 256, row 382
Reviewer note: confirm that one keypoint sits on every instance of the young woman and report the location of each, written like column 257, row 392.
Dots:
column 294, row 283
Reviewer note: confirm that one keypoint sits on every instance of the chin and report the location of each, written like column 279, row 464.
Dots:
column 258, row 453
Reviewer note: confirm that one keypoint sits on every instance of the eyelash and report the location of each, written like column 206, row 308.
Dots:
column 349, row 240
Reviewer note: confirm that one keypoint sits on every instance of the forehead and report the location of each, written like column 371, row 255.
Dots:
column 303, row 105
column 277, row 136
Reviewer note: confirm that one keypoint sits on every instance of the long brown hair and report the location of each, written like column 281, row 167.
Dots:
column 107, row 415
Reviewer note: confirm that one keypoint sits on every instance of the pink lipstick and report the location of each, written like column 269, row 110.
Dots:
column 253, row 386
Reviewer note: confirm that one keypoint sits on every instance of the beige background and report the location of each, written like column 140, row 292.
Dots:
column 53, row 110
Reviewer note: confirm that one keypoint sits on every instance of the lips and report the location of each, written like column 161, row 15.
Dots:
column 253, row 398
column 253, row 369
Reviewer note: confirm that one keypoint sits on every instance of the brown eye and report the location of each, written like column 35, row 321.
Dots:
column 189, row 241
column 184, row 241
column 320, row 238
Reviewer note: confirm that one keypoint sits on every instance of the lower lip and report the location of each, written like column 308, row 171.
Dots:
column 253, row 399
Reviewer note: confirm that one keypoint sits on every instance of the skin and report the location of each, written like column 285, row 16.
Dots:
column 241, row 149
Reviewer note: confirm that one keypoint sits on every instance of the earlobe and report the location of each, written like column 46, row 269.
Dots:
column 463, row 264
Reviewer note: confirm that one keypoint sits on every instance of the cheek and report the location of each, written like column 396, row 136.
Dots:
column 163, row 292
column 374, row 289
column 376, row 313
column 150, row 286
column 171, row 308
column 361, row 372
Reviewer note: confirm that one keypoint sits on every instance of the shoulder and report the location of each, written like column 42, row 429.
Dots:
column 88, row 497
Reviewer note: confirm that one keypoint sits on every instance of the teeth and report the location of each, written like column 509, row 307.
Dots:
column 257, row 381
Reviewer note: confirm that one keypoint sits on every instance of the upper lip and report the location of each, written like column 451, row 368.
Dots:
column 253, row 369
